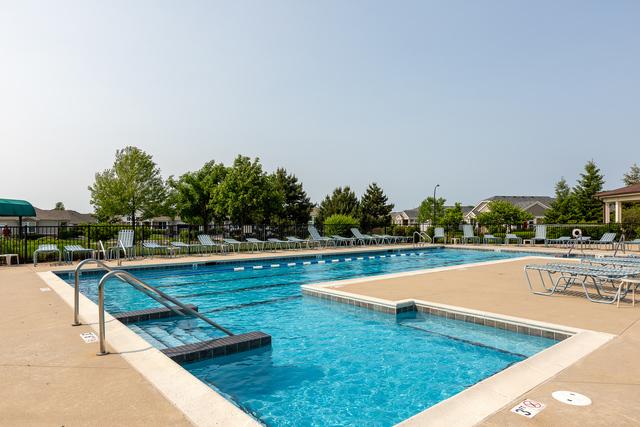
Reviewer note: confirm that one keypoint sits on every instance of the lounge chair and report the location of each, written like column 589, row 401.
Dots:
column 363, row 238
column 279, row 244
column 634, row 242
column 490, row 238
column 124, row 245
column 235, row 245
column 152, row 248
column 347, row 241
column 541, row 234
column 509, row 237
column 592, row 278
column 468, row 235
column 316, row 237
column 70, row 250
column 207, row 243
column 256, row 243
column 438, row 233
column 45, row 249
column 607, row 239
column 563, row 241
column 181, row 246
column 297, row 241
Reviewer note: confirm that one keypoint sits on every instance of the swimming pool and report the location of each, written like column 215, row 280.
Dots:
column 329, row 363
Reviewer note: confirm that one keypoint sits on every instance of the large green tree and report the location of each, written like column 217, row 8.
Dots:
column 342, row 201
column 501, row 213
column 193, row 192
column 132, row 187
column 426, row 210
column 246, row 195
column 587, row 207
column 452, row 217
column 563, row 207
column 374, row 208
column 296, row 206
column 633, row 176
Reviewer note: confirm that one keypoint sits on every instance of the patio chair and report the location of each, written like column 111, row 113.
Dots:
column 510, row 236
column 316, row 237
column 279, row 244
column 468, row 235
column 152, row 248
column 634, row 242
column 46, row 249
column 607, row 239
column 181, row 246
column 490, row 238
column 124, row 244
column 256, row 243
column 364, row 238
column 70, row 250
column 438, row 233
column 563, row 241
column 207, row 243
column 297, row 241
column 347, row 241
column 541, row 234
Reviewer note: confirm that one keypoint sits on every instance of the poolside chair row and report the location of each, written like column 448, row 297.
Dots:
column 604, row 280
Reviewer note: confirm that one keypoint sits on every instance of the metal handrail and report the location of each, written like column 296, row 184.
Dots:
column 422, row 236
column 137, row 284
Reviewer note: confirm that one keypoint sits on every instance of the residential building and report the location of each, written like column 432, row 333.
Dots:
column 535, row 205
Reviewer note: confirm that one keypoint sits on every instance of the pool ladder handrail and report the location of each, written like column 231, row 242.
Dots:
column 139, row 285
column 422, row 238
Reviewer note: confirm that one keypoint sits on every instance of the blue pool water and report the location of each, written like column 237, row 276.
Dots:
column 329, row 363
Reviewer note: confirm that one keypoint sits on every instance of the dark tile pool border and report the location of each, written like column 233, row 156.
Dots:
column 518, row 327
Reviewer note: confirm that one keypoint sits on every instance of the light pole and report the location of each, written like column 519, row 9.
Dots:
column 434, row 204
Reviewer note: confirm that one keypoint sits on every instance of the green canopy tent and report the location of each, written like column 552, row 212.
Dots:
column 19, row 208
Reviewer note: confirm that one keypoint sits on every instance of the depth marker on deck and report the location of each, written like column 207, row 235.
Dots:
column 528, row 408
column 45, row 289
column 89, row 337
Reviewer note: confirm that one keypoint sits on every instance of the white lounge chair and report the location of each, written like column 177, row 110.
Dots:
column 490, row 238
column 235, row 245
column 256, row 243
column 468, row 235
column 46, row 249
column 189, row 247
column 363, row 238
column 297, row 241
column 279, row 244
column 316, row 237
column 207, row 242
column 347, row 241
column 124, row 245
column 438, row 233
column 607, row 239
column 541, row 234
column 152, row 248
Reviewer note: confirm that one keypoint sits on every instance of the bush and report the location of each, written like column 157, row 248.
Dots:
column 339, row 224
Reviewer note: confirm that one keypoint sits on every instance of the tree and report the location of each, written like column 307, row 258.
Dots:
column 374, row 209
column 502, row 213
column 133, row 187
column 452, row 217
column 425, row 211
column 341, row 201
column 587, row 207
column 296, row 206
column 246, row 195
column 193, row 192
column 563, row 207
column 633, row 176
column 59, row 206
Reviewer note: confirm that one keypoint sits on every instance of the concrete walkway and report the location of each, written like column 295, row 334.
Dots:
column 50, row 377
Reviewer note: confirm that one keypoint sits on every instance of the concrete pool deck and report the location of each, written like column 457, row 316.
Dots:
column 55, row 378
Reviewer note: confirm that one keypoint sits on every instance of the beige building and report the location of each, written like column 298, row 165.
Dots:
column 614, row 199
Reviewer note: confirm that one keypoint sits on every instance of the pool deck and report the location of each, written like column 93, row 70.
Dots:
column 54, row 378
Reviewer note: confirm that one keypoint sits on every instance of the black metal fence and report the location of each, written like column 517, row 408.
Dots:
column 23, row 241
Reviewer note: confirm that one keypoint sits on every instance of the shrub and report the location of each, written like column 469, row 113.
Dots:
column 339, row 224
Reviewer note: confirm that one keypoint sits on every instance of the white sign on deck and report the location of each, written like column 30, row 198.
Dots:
column 89, row 337
column 45, row 289
column 528, row 408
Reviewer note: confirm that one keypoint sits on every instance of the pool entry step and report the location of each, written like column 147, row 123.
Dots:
column 217, row 347
column 127, row 317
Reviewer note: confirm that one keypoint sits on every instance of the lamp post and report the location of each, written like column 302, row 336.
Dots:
column 434, row 204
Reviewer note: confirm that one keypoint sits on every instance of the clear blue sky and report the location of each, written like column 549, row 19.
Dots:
column 483, row 97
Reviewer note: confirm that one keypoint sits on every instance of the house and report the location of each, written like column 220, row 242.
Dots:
column 47, row 220
column 410, row 216
column 535, row 205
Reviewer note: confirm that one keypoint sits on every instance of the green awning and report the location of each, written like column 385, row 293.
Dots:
column 9, row 207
